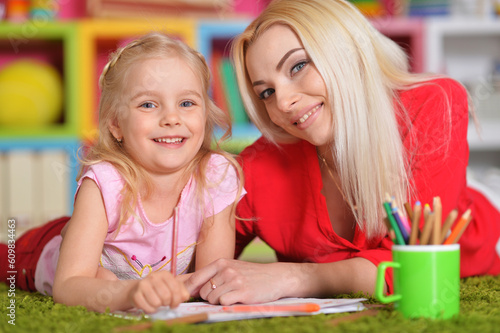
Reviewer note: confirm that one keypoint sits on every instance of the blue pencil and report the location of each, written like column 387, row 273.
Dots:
column 402, row 228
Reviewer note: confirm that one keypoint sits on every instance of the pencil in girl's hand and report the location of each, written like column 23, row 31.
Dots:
column 428, row 225
column 459, row 228
column 175, row 234
column 417, row 210
column 436, row 230
column 452, row 216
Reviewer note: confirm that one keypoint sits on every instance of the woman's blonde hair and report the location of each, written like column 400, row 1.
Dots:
column 107, row 148
column 363, row 71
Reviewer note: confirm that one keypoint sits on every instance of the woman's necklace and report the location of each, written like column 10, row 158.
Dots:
column 335, row 181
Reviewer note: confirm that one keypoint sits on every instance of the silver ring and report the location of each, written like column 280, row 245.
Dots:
column 213, row 285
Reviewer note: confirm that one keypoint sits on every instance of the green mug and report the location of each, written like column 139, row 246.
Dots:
column 426, row 280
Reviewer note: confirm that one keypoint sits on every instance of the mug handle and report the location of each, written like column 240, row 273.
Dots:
column 379, row 286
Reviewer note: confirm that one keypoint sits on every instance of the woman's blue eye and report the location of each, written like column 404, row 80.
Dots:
column 266, row 93
column 187, row 104
column 298, row 67
column 147, row 105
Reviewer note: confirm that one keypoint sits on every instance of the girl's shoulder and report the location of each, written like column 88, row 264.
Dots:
column 102, row 173
column 218, row 166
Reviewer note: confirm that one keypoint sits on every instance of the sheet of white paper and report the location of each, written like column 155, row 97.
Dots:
column 217, row 313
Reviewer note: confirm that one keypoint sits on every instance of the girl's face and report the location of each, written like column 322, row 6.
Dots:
column 290, row 86
column 162, row 120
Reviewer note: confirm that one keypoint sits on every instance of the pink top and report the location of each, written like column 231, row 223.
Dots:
column 141, row 248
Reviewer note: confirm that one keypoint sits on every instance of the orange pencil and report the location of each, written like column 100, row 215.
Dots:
column 459, row 228
column 303, row 307
column 447, row 224
column 415, row 221
column 436, row 230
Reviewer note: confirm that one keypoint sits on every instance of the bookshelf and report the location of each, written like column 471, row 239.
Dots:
column 54, row 43
column 37, row 178
column 468, row 49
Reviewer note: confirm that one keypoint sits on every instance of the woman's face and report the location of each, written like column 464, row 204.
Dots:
column 285, row 79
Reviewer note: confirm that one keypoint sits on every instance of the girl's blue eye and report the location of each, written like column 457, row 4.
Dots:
column 186, row 104
column 298, row 67
column 148, row 105
column 266, row 93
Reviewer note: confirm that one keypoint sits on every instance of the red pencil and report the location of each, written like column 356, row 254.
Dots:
column 303, row 307
column 175, row 231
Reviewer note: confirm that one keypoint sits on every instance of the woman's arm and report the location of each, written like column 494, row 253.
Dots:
column 217, row 238
column 76, row 281
column 245, row 282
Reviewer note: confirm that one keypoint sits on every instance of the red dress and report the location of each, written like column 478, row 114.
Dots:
column 283, row 189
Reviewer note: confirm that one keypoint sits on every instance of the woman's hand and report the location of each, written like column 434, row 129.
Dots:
column 158, row 289
column 227, row 281
column 232, row 281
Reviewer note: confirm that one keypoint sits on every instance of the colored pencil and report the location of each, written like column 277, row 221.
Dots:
column 415, row 221
column 394, row 225
column 304, row 307
column 459, row 228
column 452, row 216
column 436, row 230
column 409, row 211
column 390, row 232
column 401, row 226
column 175, row 232
column 428, row 225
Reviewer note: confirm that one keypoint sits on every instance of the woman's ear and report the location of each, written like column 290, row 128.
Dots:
column 114, row 128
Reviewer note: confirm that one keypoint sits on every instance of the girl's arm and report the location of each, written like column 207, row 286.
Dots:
column 245, row 282
column 217, row 239
column 76, row 281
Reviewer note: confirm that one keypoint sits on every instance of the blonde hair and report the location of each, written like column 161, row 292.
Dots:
column 108, row 149
column 363, row 71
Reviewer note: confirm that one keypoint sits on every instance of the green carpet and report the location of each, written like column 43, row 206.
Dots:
column 479, row 313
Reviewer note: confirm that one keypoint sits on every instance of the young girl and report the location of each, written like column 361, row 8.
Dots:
column 153, row 157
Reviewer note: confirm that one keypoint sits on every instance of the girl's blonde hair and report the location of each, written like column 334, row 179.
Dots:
column 107, row 148
column 363, row 71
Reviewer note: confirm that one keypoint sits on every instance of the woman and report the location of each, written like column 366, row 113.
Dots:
column 343, row 123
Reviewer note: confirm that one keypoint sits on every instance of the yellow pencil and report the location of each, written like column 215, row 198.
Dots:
column 459, row 228
column 448, row 223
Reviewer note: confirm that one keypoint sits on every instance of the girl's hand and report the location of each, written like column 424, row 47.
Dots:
column 158, row 289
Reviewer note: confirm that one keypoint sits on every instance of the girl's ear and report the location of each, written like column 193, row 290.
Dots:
column 114, row 128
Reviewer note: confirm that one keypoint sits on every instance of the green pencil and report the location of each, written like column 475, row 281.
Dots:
column 394, row 224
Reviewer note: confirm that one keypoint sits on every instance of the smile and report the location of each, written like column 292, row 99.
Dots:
column 307, row 115
column 169, row 140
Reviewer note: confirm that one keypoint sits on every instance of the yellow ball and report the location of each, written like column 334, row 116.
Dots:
column 31, row 94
